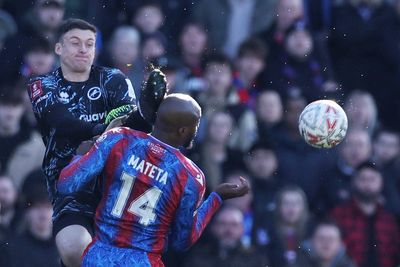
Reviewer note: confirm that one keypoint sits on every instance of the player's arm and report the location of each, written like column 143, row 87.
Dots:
column 59, row 118
column 191, row 218
column 83, row 169
column 51, row 113
column 119, row 90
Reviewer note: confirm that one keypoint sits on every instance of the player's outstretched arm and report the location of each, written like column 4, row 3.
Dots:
column 83, row 169
column 230, row 190
column 190, row 222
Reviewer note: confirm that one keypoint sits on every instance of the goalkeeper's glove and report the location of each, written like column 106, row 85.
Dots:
column 118, row 112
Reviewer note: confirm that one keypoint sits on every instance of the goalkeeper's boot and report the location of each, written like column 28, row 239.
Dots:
column 152, row 94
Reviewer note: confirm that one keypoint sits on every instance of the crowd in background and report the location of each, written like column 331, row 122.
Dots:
column 253, row 65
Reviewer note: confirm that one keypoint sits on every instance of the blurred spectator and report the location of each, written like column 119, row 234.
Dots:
column 285, row 13
column 245, row 205
column 226, row 248
column 35, row 247
column 325, row 249
column 193, row 45
column 8, row 26
column 364, row 48
column 219, row 94
column 386, row 147
column 42, row 21
column 21, row 147
column 262, row 164
column 10, row 215
column 299, row 162
column 249, row 63
column 289, row 227
column 371, row 234
column 300, row 64
column 123, row 53
column 39, row 59
column 230, row 22
column 361, row 111
column 154, row 46
column 269, row 114
column 148, row 17
column 386, row 156
column 213, row 154
column 336, row 186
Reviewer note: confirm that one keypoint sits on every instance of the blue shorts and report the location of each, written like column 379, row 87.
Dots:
column 99, row 254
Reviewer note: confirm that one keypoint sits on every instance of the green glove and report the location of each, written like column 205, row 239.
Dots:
column 118, row 112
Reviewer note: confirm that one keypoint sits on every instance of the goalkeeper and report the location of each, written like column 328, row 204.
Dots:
column 75, row 103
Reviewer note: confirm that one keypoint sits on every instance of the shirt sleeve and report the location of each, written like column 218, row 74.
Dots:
column 84, row 169
column 192, row 215
column 120, row 89
column 50, row 113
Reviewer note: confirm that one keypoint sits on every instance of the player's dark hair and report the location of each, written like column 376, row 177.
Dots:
column 253, row 47
column 71, row 24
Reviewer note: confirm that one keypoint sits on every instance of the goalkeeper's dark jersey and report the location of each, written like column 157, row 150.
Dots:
column 71, row 112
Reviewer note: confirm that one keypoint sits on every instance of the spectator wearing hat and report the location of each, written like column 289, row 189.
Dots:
column 371, row 234
column 35, row 247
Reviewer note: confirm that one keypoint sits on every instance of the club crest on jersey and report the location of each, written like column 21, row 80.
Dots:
column 94, row 93
column 64, row 97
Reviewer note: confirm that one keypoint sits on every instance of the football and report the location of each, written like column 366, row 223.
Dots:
column 323, row 124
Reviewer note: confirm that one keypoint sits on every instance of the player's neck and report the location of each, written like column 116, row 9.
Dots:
column 72, row 76
column 165, row 138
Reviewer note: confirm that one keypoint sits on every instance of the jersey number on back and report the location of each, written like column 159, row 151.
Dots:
column 143, row 206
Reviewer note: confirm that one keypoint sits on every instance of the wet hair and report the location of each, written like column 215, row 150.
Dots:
column 71, row 24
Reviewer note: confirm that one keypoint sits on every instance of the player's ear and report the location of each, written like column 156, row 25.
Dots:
column 57, row 48
column 182, row 131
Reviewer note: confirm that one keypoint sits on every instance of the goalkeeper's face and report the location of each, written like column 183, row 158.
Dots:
column 76, row 49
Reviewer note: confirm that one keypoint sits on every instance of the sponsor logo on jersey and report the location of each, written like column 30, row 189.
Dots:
column 36, row 89
column 93, row 117
column 94, row 93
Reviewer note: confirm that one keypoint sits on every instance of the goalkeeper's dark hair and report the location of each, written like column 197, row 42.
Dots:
column 71, row 24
